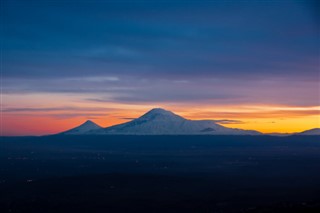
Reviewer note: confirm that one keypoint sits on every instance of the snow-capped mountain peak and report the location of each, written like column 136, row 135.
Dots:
column 160, row 114
column 159, row 111
column 83, row 128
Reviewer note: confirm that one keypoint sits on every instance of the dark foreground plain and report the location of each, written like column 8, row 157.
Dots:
column 160, row 174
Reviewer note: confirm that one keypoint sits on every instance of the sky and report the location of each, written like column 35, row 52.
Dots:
column 246, row 64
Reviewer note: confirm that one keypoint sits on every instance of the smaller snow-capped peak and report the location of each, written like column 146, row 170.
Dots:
column 89, row 122
column 83, row 128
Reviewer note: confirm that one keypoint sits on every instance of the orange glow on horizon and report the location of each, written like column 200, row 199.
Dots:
column 266, row 119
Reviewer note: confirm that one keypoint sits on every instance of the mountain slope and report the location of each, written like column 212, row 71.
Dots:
column 162, row 122
column 84, row 128
column 315, row 131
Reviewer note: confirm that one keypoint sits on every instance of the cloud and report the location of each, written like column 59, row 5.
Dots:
column 96, row 100
column 175, row 40
column 258, row 114
column 75, row 115
column 55, row 109
column 125, row 118
column 62, row 115
column 133, row 90
column 226, row 121
column 169, row 52
column 94, row 78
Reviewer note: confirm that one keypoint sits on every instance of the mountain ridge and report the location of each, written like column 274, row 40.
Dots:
column 158, row 121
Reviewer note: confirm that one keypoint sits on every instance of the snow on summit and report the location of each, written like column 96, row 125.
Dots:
column 160, row 114
column 83, row 128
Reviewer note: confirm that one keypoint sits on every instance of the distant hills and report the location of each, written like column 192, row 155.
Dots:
column 315, row 131
column 163, row 122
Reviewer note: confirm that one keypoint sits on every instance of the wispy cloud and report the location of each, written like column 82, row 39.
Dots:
column 77, row 115
column 94, row 78
column 127, row 118
column 57, row 109
column 258, row 114
column 226, row 121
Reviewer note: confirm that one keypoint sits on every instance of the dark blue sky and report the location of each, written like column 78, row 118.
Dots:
column 166, row 39
column 156, row 53
column 63, row 61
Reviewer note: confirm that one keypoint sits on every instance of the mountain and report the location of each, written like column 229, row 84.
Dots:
column 315, row 131
column 162, row 122
column 84, row 128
